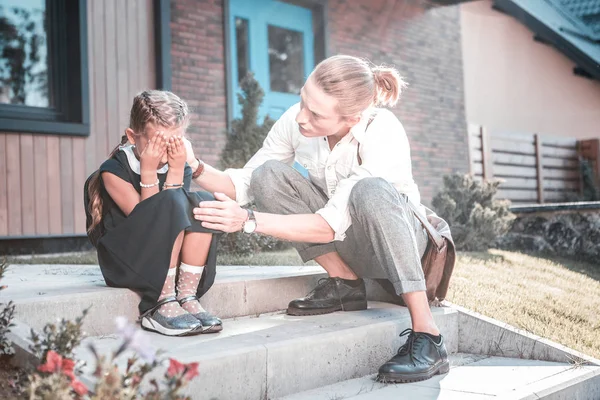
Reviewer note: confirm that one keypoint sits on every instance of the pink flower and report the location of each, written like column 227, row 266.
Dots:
column 189, row 371
column 55, row 363
column 79, row 387
column 67, row 368
column 175, row 368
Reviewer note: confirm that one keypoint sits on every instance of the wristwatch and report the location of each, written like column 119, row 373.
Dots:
column 250, row 224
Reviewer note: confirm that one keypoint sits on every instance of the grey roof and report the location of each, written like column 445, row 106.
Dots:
column 572, row 26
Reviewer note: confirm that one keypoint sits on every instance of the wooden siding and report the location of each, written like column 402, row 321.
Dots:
column 41, row 175
column 533, row 168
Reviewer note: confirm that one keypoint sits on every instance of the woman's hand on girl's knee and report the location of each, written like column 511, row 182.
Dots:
column 223, row 214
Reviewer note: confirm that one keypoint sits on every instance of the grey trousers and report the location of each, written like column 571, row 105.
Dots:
column 385, row 240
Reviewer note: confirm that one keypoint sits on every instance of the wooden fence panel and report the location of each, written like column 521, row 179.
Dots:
column 532, row 167
column 4, row 187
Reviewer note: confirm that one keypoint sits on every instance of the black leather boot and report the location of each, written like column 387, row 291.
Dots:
column 418, row 359
column 331, row 294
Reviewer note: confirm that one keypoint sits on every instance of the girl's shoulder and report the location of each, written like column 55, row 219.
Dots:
column 117, row 165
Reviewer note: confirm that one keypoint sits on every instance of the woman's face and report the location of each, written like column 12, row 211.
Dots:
column 318, row 114
column 141, row 140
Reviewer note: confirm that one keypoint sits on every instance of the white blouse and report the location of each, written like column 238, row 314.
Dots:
column 384, row 151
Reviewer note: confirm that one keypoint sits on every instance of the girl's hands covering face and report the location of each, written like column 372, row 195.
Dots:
column 176, row 152
column 153, row 153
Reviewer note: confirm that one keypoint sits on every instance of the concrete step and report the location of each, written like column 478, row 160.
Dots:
column 268, row 355
column 277, row 355
column 45, row 293
column 474, row 377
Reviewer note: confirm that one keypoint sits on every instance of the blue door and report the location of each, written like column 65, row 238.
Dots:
column 274, row 40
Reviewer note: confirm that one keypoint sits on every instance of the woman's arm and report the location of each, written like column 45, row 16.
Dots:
column 305, row 228
column 226, row 215
column 122, row 192
column 235, row 183
column 212, row 180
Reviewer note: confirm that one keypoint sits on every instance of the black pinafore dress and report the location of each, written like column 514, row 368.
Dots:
column 134, row 251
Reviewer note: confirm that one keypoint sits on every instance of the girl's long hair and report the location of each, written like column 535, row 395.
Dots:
column 157, row 107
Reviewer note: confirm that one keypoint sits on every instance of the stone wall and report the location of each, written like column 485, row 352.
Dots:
column 570, row 230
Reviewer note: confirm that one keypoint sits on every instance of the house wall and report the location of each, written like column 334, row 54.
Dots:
column 423, row 43
column 513, row 83
column 41, row 175
column 198, row 72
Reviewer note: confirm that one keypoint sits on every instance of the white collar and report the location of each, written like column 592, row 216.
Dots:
column 134, row 163
column 358, row 130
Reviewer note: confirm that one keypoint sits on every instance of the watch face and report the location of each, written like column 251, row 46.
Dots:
column 249, row 226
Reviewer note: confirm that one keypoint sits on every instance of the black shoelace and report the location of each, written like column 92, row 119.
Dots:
column 321, row 284
column 407, row 347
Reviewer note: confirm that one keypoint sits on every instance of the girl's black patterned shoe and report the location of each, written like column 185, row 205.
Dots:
column 210, row 323
column 182, row 325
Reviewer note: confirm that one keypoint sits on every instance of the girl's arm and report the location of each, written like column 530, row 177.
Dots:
column 124, row 194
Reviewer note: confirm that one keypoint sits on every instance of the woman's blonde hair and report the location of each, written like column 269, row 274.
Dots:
column 357, row 84
column 157, row 107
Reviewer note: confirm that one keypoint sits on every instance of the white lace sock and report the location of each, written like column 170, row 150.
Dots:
column 170, row 309
column 187, row 285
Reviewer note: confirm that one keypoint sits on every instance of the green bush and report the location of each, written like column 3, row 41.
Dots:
column 7, row 314
column 245, row 139
column 591, row 192
column 475, row 217
column 246, row 136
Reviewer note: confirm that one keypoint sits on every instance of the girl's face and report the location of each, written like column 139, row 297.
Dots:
column 141, row 140
column 318, row 114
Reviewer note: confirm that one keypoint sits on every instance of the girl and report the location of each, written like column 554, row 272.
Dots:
column 139, row 217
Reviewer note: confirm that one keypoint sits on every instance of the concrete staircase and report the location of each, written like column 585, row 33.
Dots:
column 265, row 354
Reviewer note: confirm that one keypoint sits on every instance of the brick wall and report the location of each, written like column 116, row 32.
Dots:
column 198, row 68
column 424, row 44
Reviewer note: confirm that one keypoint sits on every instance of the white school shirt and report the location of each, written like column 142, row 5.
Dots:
column 384, row 151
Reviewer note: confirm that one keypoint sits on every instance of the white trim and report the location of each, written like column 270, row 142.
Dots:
column 134, row 163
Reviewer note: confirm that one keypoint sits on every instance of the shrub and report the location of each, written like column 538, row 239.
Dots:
column 245, row 139
column 55, row 378
column 61, row 339
column 469, row 207
column 591, row 192
column 7, row 314
column 246, row 135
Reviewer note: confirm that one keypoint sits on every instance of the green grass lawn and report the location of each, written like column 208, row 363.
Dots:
column 554, row 298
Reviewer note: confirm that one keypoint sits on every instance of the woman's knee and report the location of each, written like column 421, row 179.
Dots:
column 264, row 176
column 374, row 198
column 370, row 190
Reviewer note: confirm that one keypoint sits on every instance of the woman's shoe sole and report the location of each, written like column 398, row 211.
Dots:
column 149, row 325
column 350, row 306
column 444, row 368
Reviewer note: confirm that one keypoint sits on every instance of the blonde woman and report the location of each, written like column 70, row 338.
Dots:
column 352, row 215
